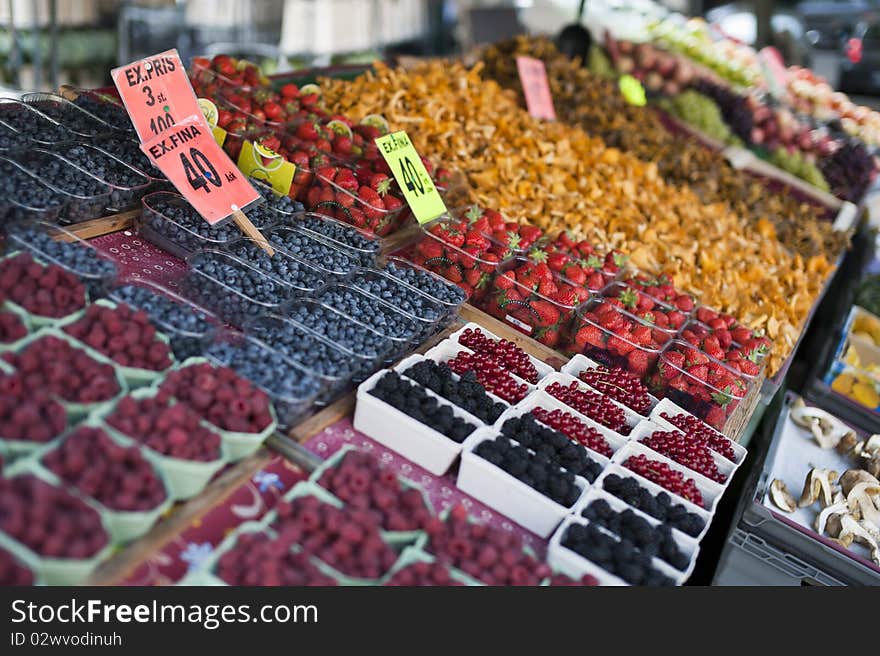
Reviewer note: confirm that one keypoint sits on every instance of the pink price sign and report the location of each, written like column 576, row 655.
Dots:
column 533, row 76
column 197, row 166
column 156, row 92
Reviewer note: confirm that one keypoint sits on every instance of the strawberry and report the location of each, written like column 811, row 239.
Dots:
column 474, row 277
column 715, row 417
column 476, row 239
column 392, row 203
column 684, row 303
column 699, row 371
column 575, row 273
column 558, row 262
column 748, row 367
column 477, row 219
column 506, row 280
column 381, row 183
column 549, row 337
column 595, row 281
column 546, row 312
column 547, row 288
column 619, row 346
column 589, row 335
column 566, row 296
column 641, row 335
column 529, row 234
column 741, row 334
column 637, row 362
column 307, row 130
column 675, row 358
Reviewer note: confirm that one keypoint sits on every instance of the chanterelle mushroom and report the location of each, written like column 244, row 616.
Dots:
column 781, row 496
column 827, row 429
column 819, row 484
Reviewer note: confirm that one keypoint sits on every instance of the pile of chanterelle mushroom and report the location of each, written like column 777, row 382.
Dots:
column 851, row 502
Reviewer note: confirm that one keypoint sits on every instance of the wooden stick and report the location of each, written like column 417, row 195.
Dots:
column 251, row 231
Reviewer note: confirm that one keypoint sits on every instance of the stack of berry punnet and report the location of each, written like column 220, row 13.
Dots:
column 564, row 253
column 411, row 399
column 47, row 292
column 620, row 385
column 611, row 336
column 28, row 414
column 347, row 539
column 421, row 307
column 620, row 557
column 490, row 375
column 73, row 118
column 423, row 573
column 651, row 540
column 185, row 324
column 36, row 126
column 663, row 317
column 87, row 197
column 173, row 224
column 128, row 185
column 552, row 444
column 359, row 481
column 575, row 429
column 463, row 391
column 51, row 364
column 291, row 387
column 122, row 334
column 449, row 295
column 694, row 455
column 117, row 477
column 257, row 559
column 219, row 396
column 300, row 276
column 508, row 238
column 700, row 432
column 13, row 572
column 318, row 253
column 698, row 383
column 231, row 288
column 661, row 288
column 53, row 244
column 112, row 113
column 660, row 506
column 25, row 197
column 598, row 407
column 503, row 351
column 529, row 296
column 536, row 470
column 50, row 521
column 455, row 251
column 666, row 477
column 490, row 555
column 340, row 329
column 12, row 327
column 370, row 311
column 173, row 430
column 365, row 201
column 357, row 244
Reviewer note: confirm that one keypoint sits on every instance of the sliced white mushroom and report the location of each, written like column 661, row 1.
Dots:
column 780, row 496
column 819, row 484
column 825, row 427
column 838, row 506
column 851, row 531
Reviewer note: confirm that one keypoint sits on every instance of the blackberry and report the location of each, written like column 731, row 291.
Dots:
column 659, row 507
column 533, row 469
column 314, row 251
column 651, row 540
column 109, row 112
column 369, row 311
column 466, row 392
column 298, row 275
column 553, row 445
column 340, row 329
column 400, row 296
column 620, row 557
column 412, row 399
column 431, row 285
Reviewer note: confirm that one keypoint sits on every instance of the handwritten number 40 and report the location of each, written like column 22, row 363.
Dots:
column 410, row 176
column 206, row 171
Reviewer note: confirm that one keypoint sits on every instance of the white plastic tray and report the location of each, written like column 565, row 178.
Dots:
column 632, row 417
column 543, row 368
column 581, row 362
column 671, row 409
column 448, row 349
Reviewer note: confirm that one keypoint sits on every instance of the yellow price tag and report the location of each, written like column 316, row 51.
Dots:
column 209, row 109
column 632, row 90
column 257, row 161
column 409, row 171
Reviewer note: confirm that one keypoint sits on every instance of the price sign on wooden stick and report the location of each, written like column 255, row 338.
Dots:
column 198, row 167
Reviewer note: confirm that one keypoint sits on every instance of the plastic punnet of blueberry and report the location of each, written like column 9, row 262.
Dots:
column 174, row 219
column 109, row 112
column 75, row 256
column 312, row 250
column 70, row 116
column 104, row 167
column 300, row 276
column 399, row 295
column 33, row 125
column 129, row 152
column 369, row 311
column 277, row 202
column 236, row 275
column 425, row 282
column 24, row 190
column 346, row 236
column 11, row 140
column 534, row 469
column 340, row 329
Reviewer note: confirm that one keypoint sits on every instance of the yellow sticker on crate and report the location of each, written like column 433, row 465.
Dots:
column 409, row 171
column 209, row 110
column 258, row 161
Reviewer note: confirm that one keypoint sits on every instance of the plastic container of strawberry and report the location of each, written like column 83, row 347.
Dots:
column 651, row 310
column 698, row 383
column 742, row 335
column 546, row 318
column 224, row 297
column 75, row 119
column 207, row 82
column 659, row 287
column 601, row 270
column 749, row 365
column 439, row 250
column 125, row 192
column 13, row 210
column 21, row 116
column 626, row 341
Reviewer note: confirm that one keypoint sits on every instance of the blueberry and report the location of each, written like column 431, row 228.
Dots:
column 278, row 203
column 180, row 225
column 301, row 277
column 127, row 185
column 32, row 124
column 86, row 195
column 399, row 295
column 354, row 242
column 71, row 117
column 11, row 140
column 432, row 286
column 369, row 311
column 339, row 328
column 185, row 326
column 109, row 112
column 322, row 255
column 22, row 190
column 130, row 152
